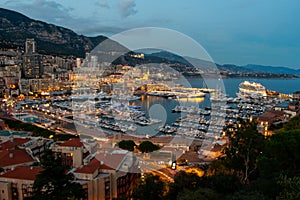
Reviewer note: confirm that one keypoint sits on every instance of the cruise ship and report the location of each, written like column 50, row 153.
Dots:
column 251, row 89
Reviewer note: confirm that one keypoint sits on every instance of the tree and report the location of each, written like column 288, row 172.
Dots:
column 147, row 146
column 183, row 181
column 127, row 145
column 222, row 183
column 282, row 152
column 293, row 124
column 265, row 185
column 247, row 195
column 290, row 188
column 244, row 148
column 152, row 187
column 202, row 193
column 54, row 183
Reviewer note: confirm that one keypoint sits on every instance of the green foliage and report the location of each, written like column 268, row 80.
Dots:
column 219, row 167
column 54, row 183
column 293, row 124
column 244, row 148
column 222, row 183
column 202, row 193
column 265, row 185
column 183, row 181
column 147, row 146
column 127, row 145
column 248, row 195
column 152, row 187
column 290, row 188
column 281, row 153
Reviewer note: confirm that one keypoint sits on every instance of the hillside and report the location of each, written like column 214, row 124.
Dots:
column 51, row 39
column 271, row 69
column 227, row 70
column 15, row 28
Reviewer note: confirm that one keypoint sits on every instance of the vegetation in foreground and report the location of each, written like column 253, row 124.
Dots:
column 54, row 183
column 253, row 167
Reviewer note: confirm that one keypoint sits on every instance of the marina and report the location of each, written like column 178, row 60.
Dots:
column 128, row 113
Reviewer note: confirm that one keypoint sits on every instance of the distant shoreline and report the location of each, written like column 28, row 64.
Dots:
column 257, row 77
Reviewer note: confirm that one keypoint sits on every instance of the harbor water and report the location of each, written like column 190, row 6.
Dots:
column 161, row 108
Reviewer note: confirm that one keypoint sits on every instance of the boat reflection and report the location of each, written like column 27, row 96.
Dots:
column 192, row 100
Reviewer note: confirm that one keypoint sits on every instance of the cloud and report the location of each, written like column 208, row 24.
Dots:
column 96, row 29
column 53, row 12
column 103, row 4
column 48, row 10
column 127, row 8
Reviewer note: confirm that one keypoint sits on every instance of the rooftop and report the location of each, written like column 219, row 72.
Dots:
column 14, row 157
column 23, row 173
column 92, row 167
column 111, row 160
column 270, row 115
column 10, row 144
column 73, row 142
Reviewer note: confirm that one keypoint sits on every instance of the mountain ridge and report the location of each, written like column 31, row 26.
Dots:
column 250, row 68
column 272, row 69
column 15, row 28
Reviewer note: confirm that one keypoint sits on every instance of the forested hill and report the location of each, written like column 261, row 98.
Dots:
column 51, row 39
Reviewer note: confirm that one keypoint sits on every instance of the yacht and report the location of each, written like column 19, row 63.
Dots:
column 252, row 90
column 125, row 97
column 218, row 96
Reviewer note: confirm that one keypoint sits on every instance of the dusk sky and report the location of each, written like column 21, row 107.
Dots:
column 240, row 32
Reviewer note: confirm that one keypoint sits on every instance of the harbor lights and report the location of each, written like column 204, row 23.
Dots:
column 223, row 133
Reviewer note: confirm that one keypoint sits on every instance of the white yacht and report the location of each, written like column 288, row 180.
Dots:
column 251, row 89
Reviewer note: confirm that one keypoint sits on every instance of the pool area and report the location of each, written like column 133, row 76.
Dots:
column 6, row 133
column 20, row 133
column 35, row 119
column 31, row 119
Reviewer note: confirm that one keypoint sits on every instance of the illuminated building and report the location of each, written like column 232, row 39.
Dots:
column 32, row 65
column 266, row 119
column 30, row 46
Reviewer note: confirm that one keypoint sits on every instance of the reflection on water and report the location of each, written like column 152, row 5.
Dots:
column 163, row 112
column 191, row 100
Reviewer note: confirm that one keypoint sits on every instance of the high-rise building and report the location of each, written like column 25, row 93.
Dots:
column 32, row 66
column 94, row 61
column 30, row 46
column 32, row 62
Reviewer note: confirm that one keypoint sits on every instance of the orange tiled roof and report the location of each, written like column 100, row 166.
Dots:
column 73, row 142
column 22, row 173
column 12, row 144
column 14, row 157
column 92, row 167
column 270, row 115
column 111, row 160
